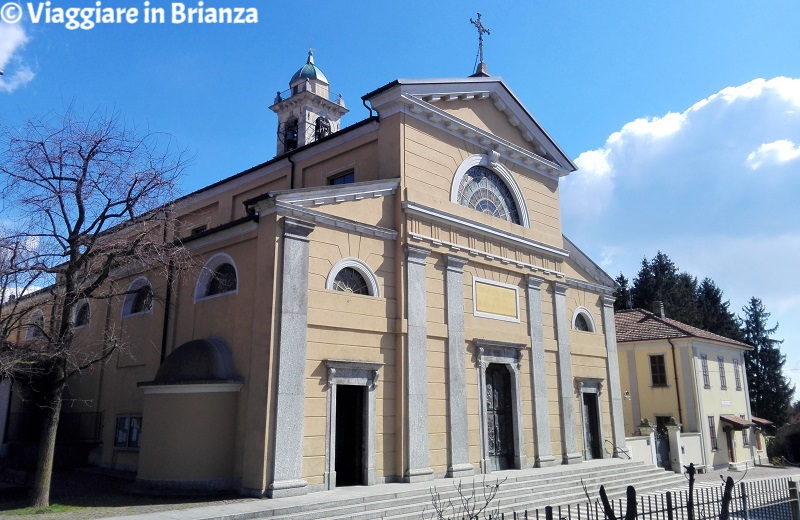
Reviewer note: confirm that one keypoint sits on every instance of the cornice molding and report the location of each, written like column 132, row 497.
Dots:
column 201, row 388
column 436, row 215
column 487, row 256
column 323, row 219
column 431, row 114
column 591, row 287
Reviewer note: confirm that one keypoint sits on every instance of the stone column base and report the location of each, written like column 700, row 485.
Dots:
column 460, row 471
column 573, row 458
column 287, row 488
column 419, row 475
column 545, row 461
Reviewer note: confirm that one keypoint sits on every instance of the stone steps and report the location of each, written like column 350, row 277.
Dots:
column 526, row 489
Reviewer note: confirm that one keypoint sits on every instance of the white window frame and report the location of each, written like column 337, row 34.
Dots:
column 491, row 161
column 587, row 315
column 201, row 287
column 130, row 297
column 76, row 310
column 362, row 268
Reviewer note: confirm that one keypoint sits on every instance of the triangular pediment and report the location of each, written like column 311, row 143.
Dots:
column 482, row 110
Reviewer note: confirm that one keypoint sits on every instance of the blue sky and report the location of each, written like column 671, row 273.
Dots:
column 681, row 147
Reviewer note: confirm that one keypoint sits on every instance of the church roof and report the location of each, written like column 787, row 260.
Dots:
column 641, row 325
column 309, row 71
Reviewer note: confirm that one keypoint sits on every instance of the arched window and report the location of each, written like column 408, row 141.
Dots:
column 350, row 280
column 223, row 280
column 483, row 190
column 138, row 298
column 482, row 183
column 82, row 314
column 35, row 326
column 352, row 276
column 582, row 320
column 219, row 276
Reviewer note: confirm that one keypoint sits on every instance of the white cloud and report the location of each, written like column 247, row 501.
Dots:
column 773, row 154
column 683, row 183
column 12, row 39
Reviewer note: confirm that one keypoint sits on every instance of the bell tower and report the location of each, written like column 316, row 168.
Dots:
column 305, row 111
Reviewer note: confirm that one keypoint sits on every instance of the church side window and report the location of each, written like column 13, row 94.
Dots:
column 138, row 298
column 218, row 277
column 345, row 178
column 82, row 315
column 352, row 276
column 223, row 280
column 582, row 320
column 349, row 280
column 483, row 190
column 35, row 326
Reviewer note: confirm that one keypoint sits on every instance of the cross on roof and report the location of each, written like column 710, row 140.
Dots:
column 481, row 31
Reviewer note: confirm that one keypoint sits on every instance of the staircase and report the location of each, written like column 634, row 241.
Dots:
column 522, row 489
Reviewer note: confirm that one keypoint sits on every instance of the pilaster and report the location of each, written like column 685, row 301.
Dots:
column 566, row 400
column 417, row 366
column 456, row 383
column 541, row 414
column 290, row 399
column 613, row 381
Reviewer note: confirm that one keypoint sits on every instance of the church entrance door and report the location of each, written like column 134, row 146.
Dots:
column 499, row 423
column 350, row 411
column 591, row 426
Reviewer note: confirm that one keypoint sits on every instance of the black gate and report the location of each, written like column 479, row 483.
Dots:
column 499, row 422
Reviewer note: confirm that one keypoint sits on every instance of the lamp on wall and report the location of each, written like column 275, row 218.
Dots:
column 627, row 395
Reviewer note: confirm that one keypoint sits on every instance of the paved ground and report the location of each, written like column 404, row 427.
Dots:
column 105, row 496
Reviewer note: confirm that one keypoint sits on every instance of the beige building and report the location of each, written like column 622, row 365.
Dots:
column 670, row 370
column 390, row 301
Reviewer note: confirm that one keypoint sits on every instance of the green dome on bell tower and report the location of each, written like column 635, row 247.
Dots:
column 309, row 71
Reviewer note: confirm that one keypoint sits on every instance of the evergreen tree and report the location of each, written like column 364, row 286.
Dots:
column 660, row 280
column 770, row 391
column 624, row 298
column 714, row 314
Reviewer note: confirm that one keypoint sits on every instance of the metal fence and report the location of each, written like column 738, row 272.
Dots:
column 775, row 499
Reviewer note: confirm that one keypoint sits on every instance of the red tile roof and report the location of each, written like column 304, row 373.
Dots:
column 641, row 325
column 761, row 422
column 737, row 422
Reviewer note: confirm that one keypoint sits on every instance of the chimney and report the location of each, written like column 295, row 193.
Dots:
column 658, row 308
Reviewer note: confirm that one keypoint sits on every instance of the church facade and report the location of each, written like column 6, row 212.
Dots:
column 390, row 301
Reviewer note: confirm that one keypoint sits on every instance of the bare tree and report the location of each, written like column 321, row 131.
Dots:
column 83, row 200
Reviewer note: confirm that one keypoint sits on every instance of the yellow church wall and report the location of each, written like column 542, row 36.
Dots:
column 361, row 157
column 193, row 456
column 432, row 160
column 483, row 114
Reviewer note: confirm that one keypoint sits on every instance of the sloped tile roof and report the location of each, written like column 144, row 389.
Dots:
column 761, row 422
column 737, row 422
column 641, row 325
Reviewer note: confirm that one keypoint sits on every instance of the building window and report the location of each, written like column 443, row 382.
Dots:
column 345, row 178
column 658, row 370
column 582, row 320
column 706, row 379
column 712, row 432
column 138, row 298
column 219, row 276
column 35, row 327
column 82, row 315
column 350, row 281
column 222, row 280
column 128, row 433
column 745, row 440
column 352, row 276
column 736, row 376
column 199, row 229
column 723, row 380
column 483, row 190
